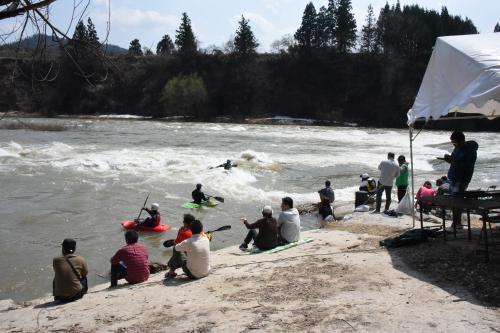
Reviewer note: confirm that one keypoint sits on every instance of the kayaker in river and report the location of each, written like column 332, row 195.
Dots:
column 154, row 219
column 227, row 166
column 198, row 196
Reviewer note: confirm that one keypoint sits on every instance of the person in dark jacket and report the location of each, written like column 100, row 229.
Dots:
column 198, row 196
column 267, row 236
column 462, row 161
column 154, row 218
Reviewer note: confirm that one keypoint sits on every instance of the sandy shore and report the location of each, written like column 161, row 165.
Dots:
column 341, row 282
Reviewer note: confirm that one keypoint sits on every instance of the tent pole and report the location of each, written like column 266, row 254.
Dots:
column 412, row 176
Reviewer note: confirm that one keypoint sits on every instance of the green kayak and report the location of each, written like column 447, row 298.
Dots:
column 192, row 205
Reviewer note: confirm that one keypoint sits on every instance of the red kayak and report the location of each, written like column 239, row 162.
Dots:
column 131, row 224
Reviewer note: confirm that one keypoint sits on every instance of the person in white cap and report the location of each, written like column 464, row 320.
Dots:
column 154, row 219
column 267, row 236
column 368, row 184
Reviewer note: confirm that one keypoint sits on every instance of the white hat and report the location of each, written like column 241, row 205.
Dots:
column 155, row 206
column 267, row 210
column 365, row 175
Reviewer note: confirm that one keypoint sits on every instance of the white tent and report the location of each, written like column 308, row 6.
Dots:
column 463, row 75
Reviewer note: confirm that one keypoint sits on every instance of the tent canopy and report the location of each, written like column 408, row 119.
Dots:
column 463, row 75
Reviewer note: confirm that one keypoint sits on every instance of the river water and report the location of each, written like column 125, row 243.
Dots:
column 82, row 182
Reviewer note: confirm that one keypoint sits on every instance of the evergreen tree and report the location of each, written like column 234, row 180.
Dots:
column 321, row 38
column 346, row 26
column 245, row 43
column 497, row 28
column 383, row 23
column 331, row 22
column 165, row 46
column 184, row 38
column 305, row 35
column 368, row 33
column 80, row 34
column 135, row 48
column 92, row 38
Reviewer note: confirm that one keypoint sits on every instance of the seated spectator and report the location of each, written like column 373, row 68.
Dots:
column 267, row 236
column 196, row 263
column 183, row 234
column 327, row 192
column 424, row 191
column 70, row 280
column 130, row 262
column 288, row 222
column 368, row 184
column 442, row 187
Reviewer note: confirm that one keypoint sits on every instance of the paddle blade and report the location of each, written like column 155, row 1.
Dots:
column 169, row 243
column 219, row 199
column 224, row 227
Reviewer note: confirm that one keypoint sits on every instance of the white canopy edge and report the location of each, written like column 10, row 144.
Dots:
column 463, row 76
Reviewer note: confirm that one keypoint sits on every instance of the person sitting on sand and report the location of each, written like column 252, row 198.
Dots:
column 327, row 192
column 442, row 187
column 424, row 191
column 288, row 222
column 325, row 213
column 227, row 166
column 131, row 261
column 70, row 280
column 368, row 184
column 154, row 218
column 183, row 234
column 198, row 196
column 196, row 264
column 267, row 236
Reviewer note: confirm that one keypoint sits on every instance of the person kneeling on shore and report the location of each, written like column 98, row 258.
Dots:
column 288, row 222
column 130, row 262
column 196, row 263
column 267, row 236
column 70, row 281
column 184, row 233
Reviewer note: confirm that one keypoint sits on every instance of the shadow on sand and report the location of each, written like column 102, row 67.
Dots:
column 457, row 266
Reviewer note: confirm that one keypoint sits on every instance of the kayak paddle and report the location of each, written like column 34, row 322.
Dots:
column 219, row 199
column 171, row 242
column 145, row 201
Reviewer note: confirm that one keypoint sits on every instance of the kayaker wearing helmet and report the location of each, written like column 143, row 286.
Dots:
column 227, row 165
column 154, row 219
column 198, row 196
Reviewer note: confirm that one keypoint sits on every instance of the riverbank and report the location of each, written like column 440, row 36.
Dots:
column 343, row 281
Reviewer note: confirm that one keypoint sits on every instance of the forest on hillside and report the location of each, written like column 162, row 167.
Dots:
column 328, row 70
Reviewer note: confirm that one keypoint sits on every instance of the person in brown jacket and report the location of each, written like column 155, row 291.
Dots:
column 267, row 236
column 70, row 281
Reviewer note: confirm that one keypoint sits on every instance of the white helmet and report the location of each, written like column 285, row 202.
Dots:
column 365, row 175
column 267, row 210
column 155, row 207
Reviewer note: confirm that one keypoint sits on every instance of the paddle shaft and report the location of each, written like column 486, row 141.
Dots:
column 224, row 227
column 145, row 201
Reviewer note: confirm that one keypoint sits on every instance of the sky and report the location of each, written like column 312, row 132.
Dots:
column 214, row 22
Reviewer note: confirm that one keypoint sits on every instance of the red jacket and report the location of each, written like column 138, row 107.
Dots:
column 184, row 233
column 135, row 258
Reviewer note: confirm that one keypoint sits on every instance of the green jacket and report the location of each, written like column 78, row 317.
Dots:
column 402, row 179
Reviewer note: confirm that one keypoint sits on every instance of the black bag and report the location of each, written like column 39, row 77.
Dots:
column 83, row 280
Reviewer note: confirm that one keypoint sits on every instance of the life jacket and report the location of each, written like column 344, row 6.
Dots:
column 157, row 219
column 372, row 184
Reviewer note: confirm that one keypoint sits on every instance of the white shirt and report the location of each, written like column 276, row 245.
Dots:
column 289, row 221
column 389, row 170
column 197, row 248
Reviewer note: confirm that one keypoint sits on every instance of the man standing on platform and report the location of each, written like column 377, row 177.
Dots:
column 462, row 161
